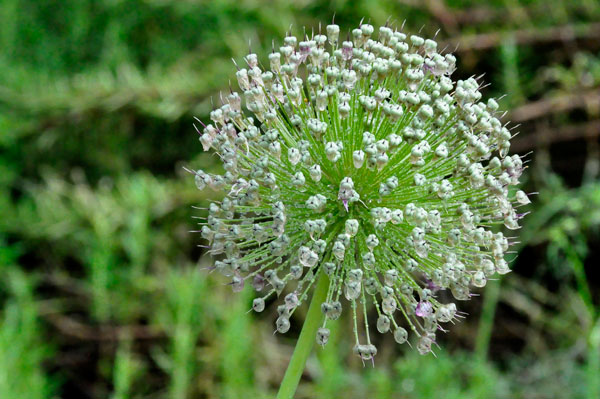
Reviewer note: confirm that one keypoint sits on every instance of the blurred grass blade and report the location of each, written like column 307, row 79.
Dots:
column 22, row 345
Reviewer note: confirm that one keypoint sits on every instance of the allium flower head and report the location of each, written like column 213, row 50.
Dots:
column 361, row 160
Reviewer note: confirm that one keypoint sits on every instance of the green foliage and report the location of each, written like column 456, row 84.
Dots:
column 127, row 369
column 457, row 376
column 237, row 349
column 108, row 230
column 183, row 313
column 22, row 349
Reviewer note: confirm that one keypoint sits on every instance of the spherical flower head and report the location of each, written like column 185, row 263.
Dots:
column 364, row 163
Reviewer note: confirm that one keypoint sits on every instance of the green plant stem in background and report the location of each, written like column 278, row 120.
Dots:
column 305, row 341
column 509, row 53
column 593, row 340
column 593, row 361
column 486, row 322
column 492, row 290
column 510, row 61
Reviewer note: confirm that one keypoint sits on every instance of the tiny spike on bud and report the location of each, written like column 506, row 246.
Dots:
column 361, row 161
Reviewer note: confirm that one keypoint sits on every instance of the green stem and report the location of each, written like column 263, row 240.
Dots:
column 492, row 291
column 593, row 361
column 305, row 341
column 486, row 322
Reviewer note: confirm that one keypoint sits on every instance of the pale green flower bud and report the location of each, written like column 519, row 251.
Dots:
column 383, row 324
column 258, row 305
column 400, row 335
column 352, row 226
column 323, row 336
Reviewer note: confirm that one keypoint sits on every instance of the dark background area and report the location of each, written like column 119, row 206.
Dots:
column 102, row 288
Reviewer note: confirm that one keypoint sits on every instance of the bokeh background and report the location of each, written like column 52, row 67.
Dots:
column 102, row 291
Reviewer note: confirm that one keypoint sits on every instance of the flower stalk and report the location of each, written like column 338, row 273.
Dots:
column 305, row 341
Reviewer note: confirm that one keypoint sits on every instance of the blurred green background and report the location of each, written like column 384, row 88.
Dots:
column 102, row 291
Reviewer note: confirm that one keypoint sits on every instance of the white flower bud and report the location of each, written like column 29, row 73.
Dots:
column 352, row 227
column 291, row 301
column 294, row 156
column 400, row 335
column 372, row 241
column 322, row 100
column 383, row 324
column 258, row 305
column 424, row 345
column 352, row 290
column 282, row 324
column 388, row 305
column 339, row 250
column 322, row 336
column 522, row 198
column 333, row 34
column 315, row 173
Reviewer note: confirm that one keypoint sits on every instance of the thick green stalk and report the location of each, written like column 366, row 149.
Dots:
column 305, row 341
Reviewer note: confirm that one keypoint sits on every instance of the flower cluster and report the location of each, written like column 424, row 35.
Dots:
column 361, row 162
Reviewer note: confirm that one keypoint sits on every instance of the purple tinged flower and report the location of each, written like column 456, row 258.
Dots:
column 424, row 309
column 419, row 163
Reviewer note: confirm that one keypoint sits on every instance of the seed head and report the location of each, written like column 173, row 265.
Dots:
column 365, row 162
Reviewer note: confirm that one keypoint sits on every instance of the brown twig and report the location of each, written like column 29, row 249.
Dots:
column 439, row 10
column 559, row 103
column 77, row 329
column 484, row 41
column 566, row 133
column 484, row 14
column 481, row 13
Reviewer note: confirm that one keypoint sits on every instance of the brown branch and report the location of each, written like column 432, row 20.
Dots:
column 74, row 328
column 453, row 18
column 439, row 10
column 559, row 103
column 478, row 14
column 484, row 41
column 483, row 14
column 587, row 130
